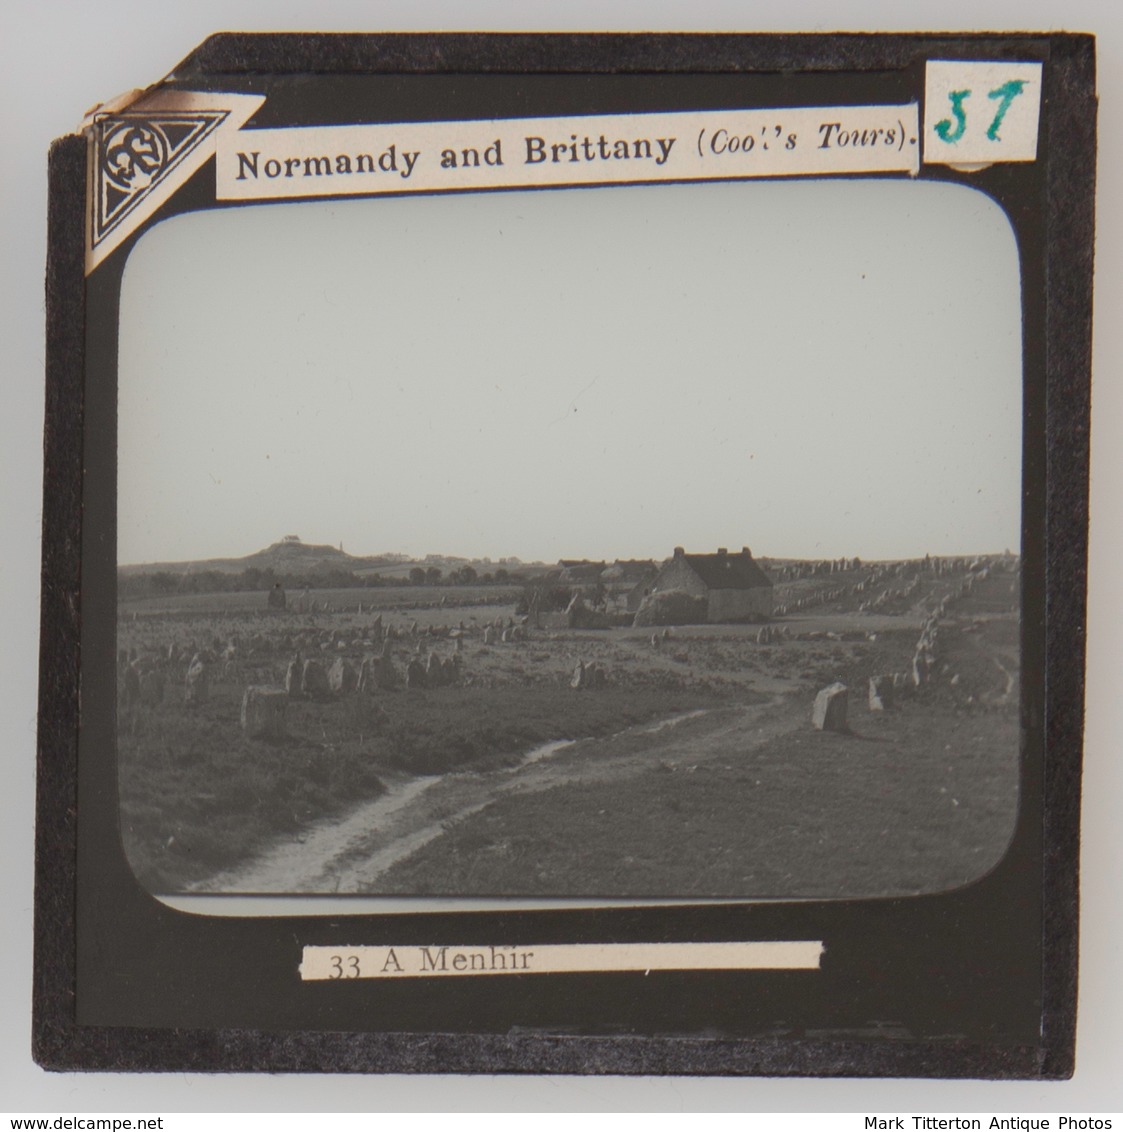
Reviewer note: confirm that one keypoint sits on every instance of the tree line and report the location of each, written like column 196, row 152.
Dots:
column 162, row 583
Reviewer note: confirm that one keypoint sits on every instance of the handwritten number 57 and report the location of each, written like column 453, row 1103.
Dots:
column 1004, row 95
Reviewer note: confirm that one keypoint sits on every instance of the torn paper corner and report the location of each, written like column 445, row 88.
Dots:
column 144, row 147
column 159, row 98
column 111, row 106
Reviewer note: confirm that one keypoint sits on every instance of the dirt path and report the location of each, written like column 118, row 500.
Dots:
column 349, row 855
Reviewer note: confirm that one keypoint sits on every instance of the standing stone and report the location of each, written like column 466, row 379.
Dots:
column 292, row 676
column 341, row 677
column 829, row 710
column 578, row 678
column 195, row 686
column 415, row 674
column 263, row 712
column 314, row 681
column 919, row 670
column 489, row 635
column 881, row 693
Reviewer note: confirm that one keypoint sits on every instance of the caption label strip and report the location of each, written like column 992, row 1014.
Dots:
column 332, row 161
column 439, row 960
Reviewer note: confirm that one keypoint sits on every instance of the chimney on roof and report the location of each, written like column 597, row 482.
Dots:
column 746, row 552
column 679, row 552
column 722, row 551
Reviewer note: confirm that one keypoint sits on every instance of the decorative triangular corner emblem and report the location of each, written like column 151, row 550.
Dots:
column 133, row 153
column 140, row 155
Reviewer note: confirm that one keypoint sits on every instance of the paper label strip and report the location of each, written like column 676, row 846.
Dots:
column 441, row 960
column 333, row 161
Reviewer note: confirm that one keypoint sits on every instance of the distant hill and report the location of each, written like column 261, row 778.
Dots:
column 290, row 555
column 285, row 556
column 291, row 552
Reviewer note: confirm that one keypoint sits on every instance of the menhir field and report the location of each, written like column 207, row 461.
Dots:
column 862, row 741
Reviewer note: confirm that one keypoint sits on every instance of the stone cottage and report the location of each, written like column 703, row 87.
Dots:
column 734, row 586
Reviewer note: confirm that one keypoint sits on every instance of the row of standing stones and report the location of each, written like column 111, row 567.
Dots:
column 135, row 663
column 263, row 706
column 143, row 678
column 829, row 711
column 891, row 575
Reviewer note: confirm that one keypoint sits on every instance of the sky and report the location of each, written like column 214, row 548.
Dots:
column 809, row 368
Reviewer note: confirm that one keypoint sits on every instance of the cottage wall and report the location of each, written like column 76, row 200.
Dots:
column 740, row 605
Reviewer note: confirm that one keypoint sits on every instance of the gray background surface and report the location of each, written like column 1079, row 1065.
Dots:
column 57, row 59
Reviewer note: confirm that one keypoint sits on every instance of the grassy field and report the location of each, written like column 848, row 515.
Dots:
column 745, row 800
column 919, row 799
column 253, row 604
column 198, row 796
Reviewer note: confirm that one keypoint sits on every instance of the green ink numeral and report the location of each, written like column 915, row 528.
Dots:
column 943, row 128
column 1007, row 92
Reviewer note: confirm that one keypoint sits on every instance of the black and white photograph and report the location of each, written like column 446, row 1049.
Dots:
column 651, row 541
